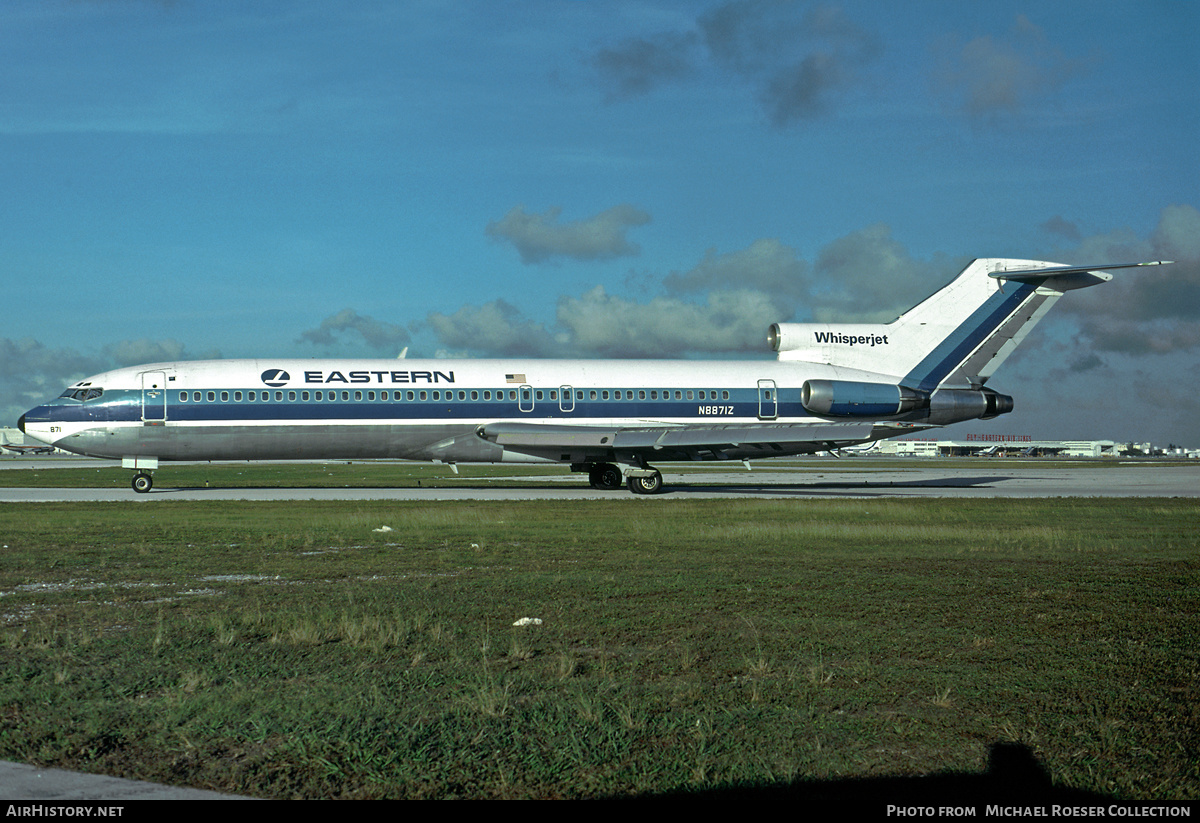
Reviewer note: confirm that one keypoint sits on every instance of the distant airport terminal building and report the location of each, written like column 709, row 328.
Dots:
column 1008, row 445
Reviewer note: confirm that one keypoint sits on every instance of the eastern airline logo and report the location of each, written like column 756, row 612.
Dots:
column 276, row 378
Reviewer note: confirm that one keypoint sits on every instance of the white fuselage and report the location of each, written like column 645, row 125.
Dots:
column 415, row 409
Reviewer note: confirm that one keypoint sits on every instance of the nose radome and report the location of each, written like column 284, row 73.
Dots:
column 37, row 426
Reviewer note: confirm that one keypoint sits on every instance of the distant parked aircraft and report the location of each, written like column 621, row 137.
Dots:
column 36, row 448
column 39, row 449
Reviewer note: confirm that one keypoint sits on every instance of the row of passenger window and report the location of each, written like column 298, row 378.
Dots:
column 462, row 394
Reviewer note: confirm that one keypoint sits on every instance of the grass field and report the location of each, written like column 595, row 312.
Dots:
column 292, row 650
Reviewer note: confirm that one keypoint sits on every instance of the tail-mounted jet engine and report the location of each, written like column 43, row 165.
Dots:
column 952, row 405
column 847, row 398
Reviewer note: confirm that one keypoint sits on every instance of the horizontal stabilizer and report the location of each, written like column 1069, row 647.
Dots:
column 1066, row 272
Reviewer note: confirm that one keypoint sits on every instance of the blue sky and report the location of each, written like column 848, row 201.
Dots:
column 596, row 179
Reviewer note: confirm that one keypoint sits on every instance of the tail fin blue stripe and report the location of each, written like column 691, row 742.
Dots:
column 948, row 354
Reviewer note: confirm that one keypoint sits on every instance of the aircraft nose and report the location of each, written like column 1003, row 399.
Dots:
column 35, row 423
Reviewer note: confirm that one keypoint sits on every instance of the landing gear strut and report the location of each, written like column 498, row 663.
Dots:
column 142, row 483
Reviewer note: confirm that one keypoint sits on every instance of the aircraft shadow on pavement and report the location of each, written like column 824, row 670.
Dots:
column 842, row 487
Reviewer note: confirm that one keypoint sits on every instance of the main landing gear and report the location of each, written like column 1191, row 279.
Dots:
column 638, row 479
column 142, row 483
column 605, row 476
column 647, row 484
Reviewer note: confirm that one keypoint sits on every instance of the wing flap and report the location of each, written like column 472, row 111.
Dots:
column 532, row 434
column 688, row 442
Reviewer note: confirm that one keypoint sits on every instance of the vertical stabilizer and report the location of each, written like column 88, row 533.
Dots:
column 957, row 337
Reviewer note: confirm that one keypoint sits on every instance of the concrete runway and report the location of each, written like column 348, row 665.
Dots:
column 827, row 480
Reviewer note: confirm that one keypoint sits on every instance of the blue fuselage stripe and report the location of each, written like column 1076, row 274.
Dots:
column 126, row 406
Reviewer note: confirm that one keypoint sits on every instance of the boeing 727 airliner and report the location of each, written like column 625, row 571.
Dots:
column 832, row 386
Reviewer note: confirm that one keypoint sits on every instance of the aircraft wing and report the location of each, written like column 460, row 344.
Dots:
column 683, row 442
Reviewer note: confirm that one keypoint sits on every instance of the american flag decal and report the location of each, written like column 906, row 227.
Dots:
column 514, row 378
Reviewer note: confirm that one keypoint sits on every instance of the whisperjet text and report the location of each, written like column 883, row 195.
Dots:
column 852, row 339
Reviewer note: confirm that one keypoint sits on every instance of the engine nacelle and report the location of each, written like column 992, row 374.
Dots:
column 847, row 398
column 955, row 405
column 997, row 404
column 786, row 336
column 819, row 337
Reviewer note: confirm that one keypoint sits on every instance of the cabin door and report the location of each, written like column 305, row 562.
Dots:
column 768, row 400
column 154, row 397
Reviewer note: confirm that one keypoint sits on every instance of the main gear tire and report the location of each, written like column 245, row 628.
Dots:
column 605, row 476
column 651, row 484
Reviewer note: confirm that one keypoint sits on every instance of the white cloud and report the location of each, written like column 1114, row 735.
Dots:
column 136, row 352
column 31, row 373
column 1144, row 310
column 494, row 328
column 600, row 324
column 377, row 334
column 540, row 237
column 639, row 64
column 799, row 59
column 1115, row 361
column 992, row 77
column 767, row 265
column 722, row 305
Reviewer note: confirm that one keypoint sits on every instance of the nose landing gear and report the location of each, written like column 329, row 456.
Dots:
column 144, row 466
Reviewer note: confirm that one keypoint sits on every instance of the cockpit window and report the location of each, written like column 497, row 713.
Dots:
column 83, row 394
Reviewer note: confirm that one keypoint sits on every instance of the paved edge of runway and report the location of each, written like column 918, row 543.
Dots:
column 19, row 782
